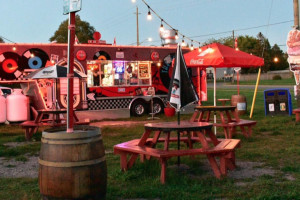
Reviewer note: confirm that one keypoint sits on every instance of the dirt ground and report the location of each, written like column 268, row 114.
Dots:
column 29, row 168
column 17, row 169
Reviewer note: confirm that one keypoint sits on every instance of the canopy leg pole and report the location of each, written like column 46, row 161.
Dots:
column 199, row 85
column 255, row 92
column 215, row 97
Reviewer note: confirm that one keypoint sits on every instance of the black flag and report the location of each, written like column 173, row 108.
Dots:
column 181, row 90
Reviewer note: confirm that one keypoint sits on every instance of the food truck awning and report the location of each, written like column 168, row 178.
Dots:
column 54, row 71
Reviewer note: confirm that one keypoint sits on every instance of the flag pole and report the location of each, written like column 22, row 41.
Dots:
column 178, row 138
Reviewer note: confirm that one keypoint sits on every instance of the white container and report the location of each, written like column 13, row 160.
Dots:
column 17, row 106
column 2, row 109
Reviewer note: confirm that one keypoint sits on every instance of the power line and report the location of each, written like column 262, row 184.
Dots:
column 242, row 29
column 7, row 39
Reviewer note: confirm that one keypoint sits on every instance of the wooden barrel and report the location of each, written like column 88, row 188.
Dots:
column 72, row 165
column 240, row 102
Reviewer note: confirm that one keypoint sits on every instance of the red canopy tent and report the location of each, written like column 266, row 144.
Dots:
column 218, row 56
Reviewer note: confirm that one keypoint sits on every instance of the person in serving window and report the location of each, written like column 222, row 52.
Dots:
column 96, row 78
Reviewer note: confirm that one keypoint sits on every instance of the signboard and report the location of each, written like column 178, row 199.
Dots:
column 119, row 54
column 71, row 6
column 144, row 72
column 155, row 56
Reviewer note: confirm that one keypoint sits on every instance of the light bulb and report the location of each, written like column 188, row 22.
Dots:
column 161, row 28
column 176, row 36
column 183, row 43
column 149, row 16
column 192, row 47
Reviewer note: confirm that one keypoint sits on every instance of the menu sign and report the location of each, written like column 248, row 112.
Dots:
column 144, row 72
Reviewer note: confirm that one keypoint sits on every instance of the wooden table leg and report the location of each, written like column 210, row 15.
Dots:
column 163, row 162
column 214, row 165
column 144, row 138
column 166, row 144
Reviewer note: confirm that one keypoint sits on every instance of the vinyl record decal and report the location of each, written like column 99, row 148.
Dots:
column 9, row 65
column 101, row 55
column 34, row 58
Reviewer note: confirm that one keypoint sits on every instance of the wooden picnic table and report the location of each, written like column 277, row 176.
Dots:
column 146, row 146
column 227, row 117
column 223, row 101
column 52, row 120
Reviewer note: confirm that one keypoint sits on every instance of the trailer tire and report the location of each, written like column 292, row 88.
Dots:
column 158, row 106
column 138, row 108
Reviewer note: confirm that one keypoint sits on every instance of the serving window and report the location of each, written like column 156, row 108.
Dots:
column 103, row 73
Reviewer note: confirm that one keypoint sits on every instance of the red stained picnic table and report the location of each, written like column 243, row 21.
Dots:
column 210, row 146
column 54, row 120
column 223, row 101
column 227, row 117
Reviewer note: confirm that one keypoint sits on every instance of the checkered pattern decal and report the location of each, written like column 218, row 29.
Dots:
column 101, row 104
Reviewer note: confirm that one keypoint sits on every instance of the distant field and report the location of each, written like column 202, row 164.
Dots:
column 290, row 81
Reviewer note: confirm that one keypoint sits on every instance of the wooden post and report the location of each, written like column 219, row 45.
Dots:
column 296, row 14
column 71, row 40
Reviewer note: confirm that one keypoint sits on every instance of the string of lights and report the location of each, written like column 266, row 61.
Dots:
column 192, row 38
column 165, row 23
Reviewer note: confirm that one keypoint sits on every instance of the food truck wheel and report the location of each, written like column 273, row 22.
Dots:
column 138, row 108
column 158, row 106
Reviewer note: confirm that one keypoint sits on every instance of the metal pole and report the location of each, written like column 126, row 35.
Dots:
column 199, row 84
column 215, row 97
column 137, row 27
column 255, row 92
column 238, row 82
column 71, row 40
column 296, row 14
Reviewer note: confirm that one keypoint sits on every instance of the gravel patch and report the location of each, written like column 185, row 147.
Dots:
column 18, row 144
column 250, row 170
column 19, row 169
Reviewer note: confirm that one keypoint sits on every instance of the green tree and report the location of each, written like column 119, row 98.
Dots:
column 84, row 31
column 1, row 40
column 281, row 62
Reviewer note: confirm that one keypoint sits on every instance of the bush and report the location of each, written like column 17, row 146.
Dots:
column 276, row 77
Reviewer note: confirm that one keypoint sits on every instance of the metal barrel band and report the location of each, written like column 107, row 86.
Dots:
column 89, row 140
column 71, row 164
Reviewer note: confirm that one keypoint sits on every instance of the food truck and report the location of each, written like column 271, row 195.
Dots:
column 133, row 77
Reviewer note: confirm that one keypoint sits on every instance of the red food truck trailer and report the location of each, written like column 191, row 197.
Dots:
column 117, row 76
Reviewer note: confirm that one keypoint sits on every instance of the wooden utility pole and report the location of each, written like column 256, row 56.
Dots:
column 296, row 14
column 137, row 27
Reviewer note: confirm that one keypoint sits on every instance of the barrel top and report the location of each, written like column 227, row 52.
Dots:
column 80, row 132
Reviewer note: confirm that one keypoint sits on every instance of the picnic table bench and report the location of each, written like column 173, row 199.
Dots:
column 146, row 147
column 228, row 119
column 31, row 127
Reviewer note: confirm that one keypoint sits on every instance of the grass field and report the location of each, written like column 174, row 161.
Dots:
column 289, row 81
column 275, row 144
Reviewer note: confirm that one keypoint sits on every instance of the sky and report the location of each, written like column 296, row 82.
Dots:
column 35, row 21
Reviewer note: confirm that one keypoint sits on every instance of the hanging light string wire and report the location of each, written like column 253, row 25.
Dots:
column 193, row 40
